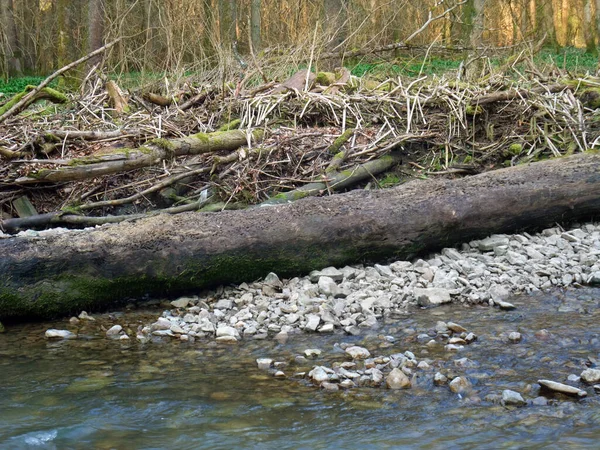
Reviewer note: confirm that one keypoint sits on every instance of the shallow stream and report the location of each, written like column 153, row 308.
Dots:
column 94, row 392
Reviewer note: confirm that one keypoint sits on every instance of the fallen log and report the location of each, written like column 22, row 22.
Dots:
column 171, row 255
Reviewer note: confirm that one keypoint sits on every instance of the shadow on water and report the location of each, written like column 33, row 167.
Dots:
column 93, row 392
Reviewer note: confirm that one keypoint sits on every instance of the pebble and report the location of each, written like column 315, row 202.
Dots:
column 113, row 331
column 60, row 334
column 264, row 363
column 512, row 398
column 397, row 379
column 591, row 376
column 357, row 352
column 459, row 385
column 514, row 336
column 563, row 388
column 312, row 353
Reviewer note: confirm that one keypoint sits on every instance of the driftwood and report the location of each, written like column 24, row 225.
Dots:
column 122, row 159
column 170, row 255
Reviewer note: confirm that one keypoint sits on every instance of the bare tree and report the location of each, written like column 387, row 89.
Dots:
column 255, row 24
column 12, row 49
column 95, row 27
column 590, row 28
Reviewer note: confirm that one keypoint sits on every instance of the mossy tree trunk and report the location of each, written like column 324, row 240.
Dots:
column 171, row 255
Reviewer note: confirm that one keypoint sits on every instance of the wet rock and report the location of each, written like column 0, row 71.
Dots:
column 326, row 385
column 113, row 331
column 264, row 363
column 279, row 374
column 512, row 398
column 514, row 337
column 327, row 328
column 60, row 334
column 318, row 375
column 505, row 305
column 227, row 331
column 357, row 352
column 591, row 376
column 459, row 385
column 439, row 379
column 455, row 328
column 540, row 401
column 226, row 339
column 563, row 388
column 85, row 316
column 432, row 296
column 162, row 324
column 273, row 280
column 312, row 353
column 397, row 379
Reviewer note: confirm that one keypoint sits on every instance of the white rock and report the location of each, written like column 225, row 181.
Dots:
column 397, row 379
column 432, row 296
column 514, row 336
column 181, row 302
column 488, row 244
column 226, row 330
column 162, row 324
column 512, row 398
column 312, row 322
column 312, row 353
column 60, row 334
column 318, row 375
column 115, row 330
column 327, row 328
column 264, row 363
column 85, row 316
column 591, row 376
column 560, row 387
column 459, row 384
column 357, row 352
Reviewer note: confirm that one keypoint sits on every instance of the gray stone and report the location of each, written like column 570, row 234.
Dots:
column 115, row 330
column 177, row 329
column 225, row 330
column 440, row 379
column 330, row 272
column 85, row 316
column 432, row 296
column 505, row 305
column 452, row 253
column 312, row 322
column 181, row 302
column 312, row 353
column 318, row 375
column 455, row 328
column 59, row 334
column 327, row 286
column 162, row 324
column 397, row 379
column 327, row 328
column 514, row 336
column 357, row 352
column 560, row 387
column 488, row 244
column 264, row 363
column 591, row 376
column 273, row 280
column 224, row 304
column 512, row 398
column 384, row 271
column 459, row 385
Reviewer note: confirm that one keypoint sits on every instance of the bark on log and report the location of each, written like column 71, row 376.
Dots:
column 170, row 255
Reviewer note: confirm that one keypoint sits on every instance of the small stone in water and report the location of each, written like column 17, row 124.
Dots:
column 357, row 352
column 329, row 386
column 505, row 305
column 327, row 328
column 84, row 316
column 312, row 322
column 312, row 353
column 512, row 398
column 397, row 379
column 115, row 330
column 279, row 374
column 63, row 334
column 264, row 363
column 456, row 328
column 514, row 336
column 560, row 387
column 591, row 376
column 439, row 379
column 459, row 384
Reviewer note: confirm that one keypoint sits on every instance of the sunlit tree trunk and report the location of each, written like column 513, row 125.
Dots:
column 474, row 63
column 589, row 27
column 255, row 24
column 12, row 48
column 544, row 23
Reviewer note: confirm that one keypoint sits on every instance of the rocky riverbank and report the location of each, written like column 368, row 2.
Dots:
column 352, row 299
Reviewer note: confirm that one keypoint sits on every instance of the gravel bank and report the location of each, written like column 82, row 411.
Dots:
column 354, row 298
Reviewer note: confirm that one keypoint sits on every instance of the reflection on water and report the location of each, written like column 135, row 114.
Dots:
column 98, row 393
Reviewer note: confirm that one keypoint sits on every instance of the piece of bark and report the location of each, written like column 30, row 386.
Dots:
column 157, row 99
column 118, row 101
column 172, row 255
column 296, row 82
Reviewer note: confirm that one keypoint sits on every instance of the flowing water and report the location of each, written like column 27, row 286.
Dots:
column 93, row 392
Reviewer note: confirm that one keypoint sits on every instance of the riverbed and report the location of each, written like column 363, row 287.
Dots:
column 98, row 392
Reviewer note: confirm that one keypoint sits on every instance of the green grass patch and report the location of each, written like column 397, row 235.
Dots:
column 15, row 85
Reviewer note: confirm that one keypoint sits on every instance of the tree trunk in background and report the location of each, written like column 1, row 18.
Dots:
column 227, row 21
column 589, row 28
column 544, row 23
column 467, row 15
column 474, row 63
column 255, row 25
column 12, row 51
column 95, row 28
column 208, row 36
column 334, row 23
